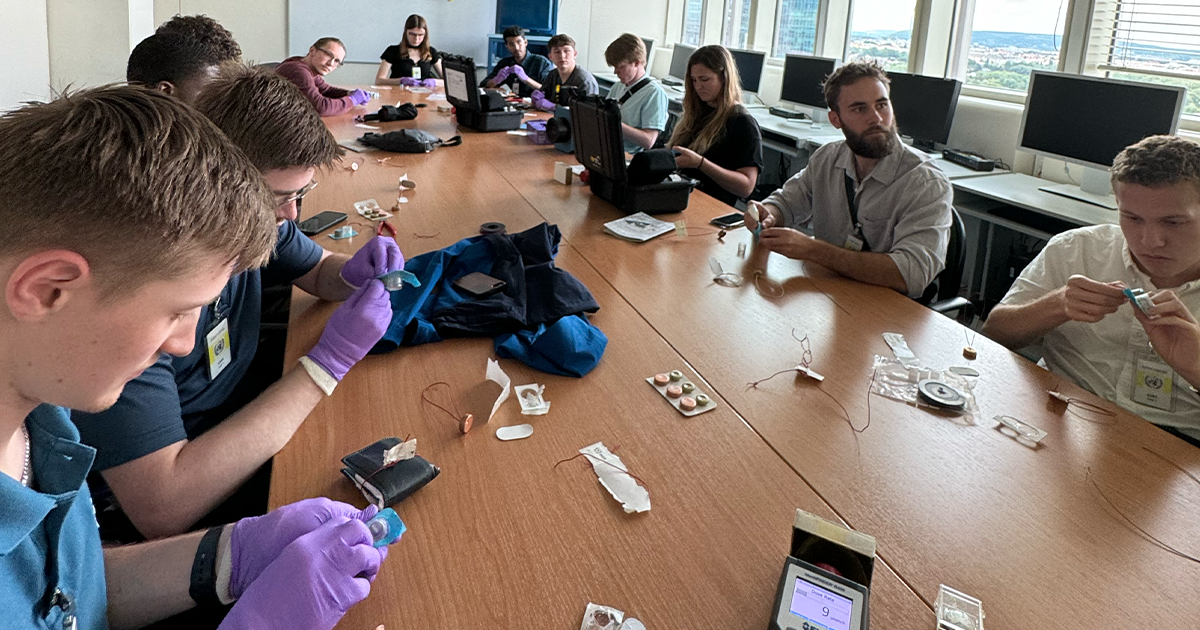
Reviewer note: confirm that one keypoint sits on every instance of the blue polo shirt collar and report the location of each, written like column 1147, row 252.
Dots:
column 60, row 465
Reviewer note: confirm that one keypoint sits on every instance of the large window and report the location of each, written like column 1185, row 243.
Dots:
column 882, row 30
column 796, row 28
column 1157, row 42
column 693, row 22
column 737, row 23
column 1011, row 38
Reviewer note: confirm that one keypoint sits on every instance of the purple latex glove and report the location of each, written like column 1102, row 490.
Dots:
column 378, row 256
column 257, row 541
column 503, row 74
column 312, row 584
column 353, row 329
column 520, row 72
column 409, row 81
column 539, row 100
column 359, row 97
column 429, row 83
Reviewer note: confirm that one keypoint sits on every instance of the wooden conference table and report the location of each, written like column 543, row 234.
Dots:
column 504, row 539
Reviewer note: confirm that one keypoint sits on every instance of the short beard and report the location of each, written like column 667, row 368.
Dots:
column 874, row 148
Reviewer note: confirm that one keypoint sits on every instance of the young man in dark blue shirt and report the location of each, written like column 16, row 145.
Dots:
column 523, row 71
column 183, row 438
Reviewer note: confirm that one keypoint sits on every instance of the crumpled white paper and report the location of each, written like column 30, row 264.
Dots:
column 497, row 376
column 400, row 452
column 618, row 482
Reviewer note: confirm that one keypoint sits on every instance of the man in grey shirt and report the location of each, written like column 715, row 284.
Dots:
column 566, row 73
column 879, row 210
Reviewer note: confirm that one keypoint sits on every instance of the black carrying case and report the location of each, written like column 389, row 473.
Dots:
column 489, row 121
column 599, row 146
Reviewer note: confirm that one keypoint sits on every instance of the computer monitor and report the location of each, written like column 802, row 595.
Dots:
column 679, row 61
column 750, row 67
column 1089, row 120
column 924, row 107
column 803, row 76
column 649, row 42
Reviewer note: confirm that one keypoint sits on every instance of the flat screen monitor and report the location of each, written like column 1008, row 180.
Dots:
column 649, row 43
column 537, row 17
column 679, row 61
column 924, row 107
column 803, row 77
column 1089, row 120
column 750, row 67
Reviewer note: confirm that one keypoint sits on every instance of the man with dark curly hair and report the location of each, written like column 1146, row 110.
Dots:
column 218, row 43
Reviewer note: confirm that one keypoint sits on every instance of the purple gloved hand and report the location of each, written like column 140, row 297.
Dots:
column 429, row 83
column 520, row 72
column 257, row 541
column 503, row 74
column 312, row 584
column 409, row 81
column 378, row 256
column 353, row 329
column 359, row 97
column 539, row 100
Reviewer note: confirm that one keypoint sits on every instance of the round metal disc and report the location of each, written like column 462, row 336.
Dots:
column 940, row 394
column 492, row 227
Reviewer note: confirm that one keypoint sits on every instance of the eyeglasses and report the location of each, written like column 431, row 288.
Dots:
column 336, row 62
column 286, row 198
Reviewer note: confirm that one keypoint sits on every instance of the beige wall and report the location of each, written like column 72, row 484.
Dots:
column 24, row 32
column 90, row 42
column 260, row 26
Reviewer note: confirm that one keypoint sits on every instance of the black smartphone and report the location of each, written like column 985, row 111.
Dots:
column 479, row 285
column 729, row 221
column 320, row 222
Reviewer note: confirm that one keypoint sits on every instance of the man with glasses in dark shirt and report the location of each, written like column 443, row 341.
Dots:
column 307, row 73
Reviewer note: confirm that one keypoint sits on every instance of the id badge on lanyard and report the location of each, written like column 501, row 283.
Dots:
column 216, row 341
column 1153, row 381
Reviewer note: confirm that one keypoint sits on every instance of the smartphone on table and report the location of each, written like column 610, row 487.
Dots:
column 320, row 222
column 729, row 221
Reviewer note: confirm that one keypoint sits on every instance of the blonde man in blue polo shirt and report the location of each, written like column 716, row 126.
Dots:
column 643, row 101
column 143, row 236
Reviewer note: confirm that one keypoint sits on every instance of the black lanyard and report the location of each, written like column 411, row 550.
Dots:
column 852, row 204
column 633, row 90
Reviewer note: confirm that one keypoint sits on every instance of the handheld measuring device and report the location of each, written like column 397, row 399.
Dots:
column 810, row 598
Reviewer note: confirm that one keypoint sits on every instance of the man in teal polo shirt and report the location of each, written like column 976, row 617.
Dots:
column 643, row 101
column 129, row 212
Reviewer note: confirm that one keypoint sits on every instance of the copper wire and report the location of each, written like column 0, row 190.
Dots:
column 813, row 283
column 1134, row 526
column 456, row 415
column 806, row 359
column 577, row 456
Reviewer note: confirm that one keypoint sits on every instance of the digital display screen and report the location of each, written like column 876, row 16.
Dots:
column 456, row 85
column 821, row 608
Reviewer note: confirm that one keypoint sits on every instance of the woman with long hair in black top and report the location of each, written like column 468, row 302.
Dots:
column 412, row 59
column 718, row 141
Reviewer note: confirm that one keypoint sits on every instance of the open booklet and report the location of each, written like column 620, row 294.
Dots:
column 639, row 227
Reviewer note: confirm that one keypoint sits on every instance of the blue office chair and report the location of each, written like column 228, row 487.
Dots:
column 942, row 294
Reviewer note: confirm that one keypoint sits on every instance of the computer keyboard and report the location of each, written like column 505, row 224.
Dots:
column 969, row 160
column 788, row 113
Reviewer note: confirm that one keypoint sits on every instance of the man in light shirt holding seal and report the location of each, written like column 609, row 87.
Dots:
column 879, row 210
column 1071, row 300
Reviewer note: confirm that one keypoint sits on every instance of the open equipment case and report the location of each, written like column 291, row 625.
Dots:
column 476, row 108
column 599, row 146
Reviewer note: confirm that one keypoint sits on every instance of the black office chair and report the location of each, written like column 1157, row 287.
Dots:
column 942, row 294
